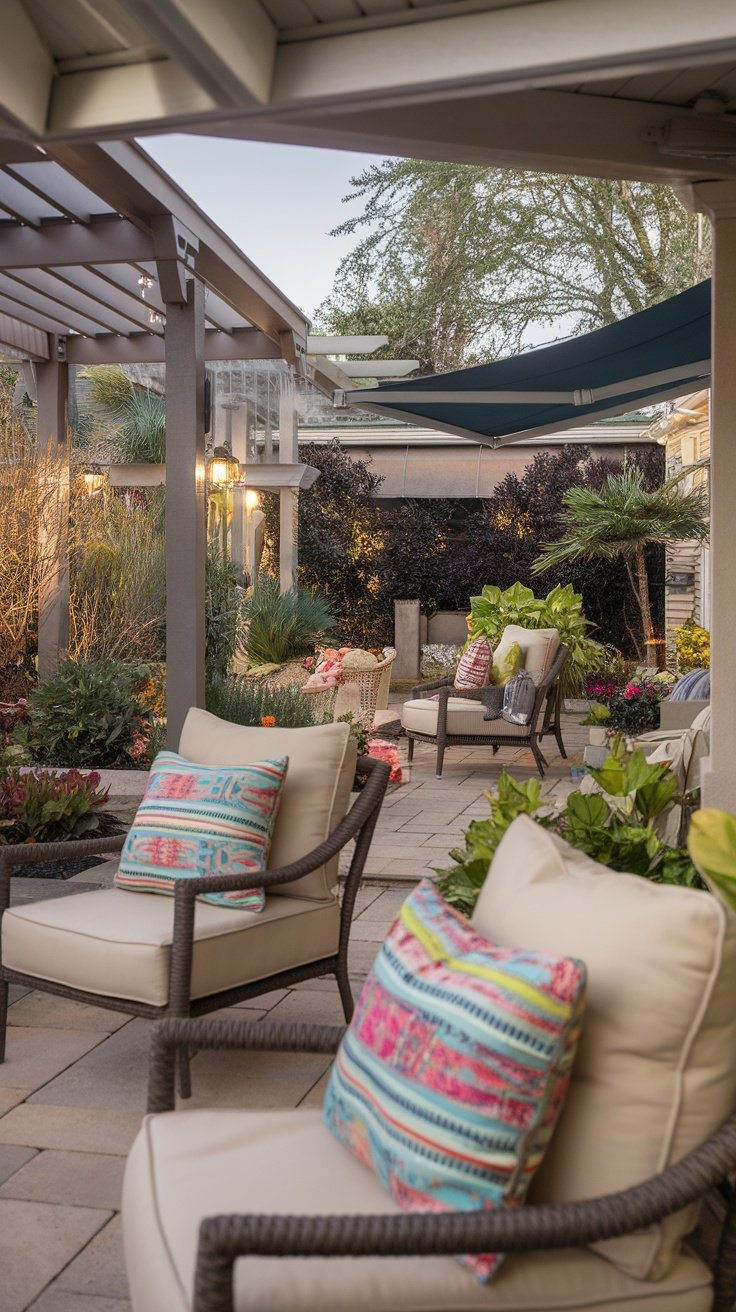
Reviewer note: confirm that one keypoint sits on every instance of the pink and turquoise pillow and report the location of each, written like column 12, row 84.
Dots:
column 198, row 820
column 451, row 1077
column 474, row 667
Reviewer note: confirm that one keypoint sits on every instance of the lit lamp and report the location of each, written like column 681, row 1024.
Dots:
column 223, row 468
column 93, row 480
column 252, row 499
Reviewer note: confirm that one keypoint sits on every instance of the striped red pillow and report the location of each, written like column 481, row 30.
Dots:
column 474, row 666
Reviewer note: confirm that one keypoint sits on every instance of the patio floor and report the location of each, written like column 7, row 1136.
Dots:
column 72, row 1089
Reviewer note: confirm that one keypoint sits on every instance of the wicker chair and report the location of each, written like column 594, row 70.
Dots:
column 154, row 956
column 364, row 691
column 442, row 717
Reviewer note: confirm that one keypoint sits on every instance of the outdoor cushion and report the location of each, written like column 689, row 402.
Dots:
column 656, row 1068
column 508, row 659
column 474, row 667
column 451, row 1076
column 187, row 1165
column 119, row 943
column 463, row 717
column 539, row 647
column 199, row 820
column 314, row 798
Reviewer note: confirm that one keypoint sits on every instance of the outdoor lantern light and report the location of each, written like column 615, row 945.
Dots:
column 224, row 469
column 252, row 499
column 93, row 479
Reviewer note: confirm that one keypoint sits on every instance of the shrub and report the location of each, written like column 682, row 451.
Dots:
column 37, row 806
column 635, row 708
column 561, row 609
column 692, row 644
column 283, row 626
column 223, row 602
column 246, row 701
column 89, row 714
column 616, row 826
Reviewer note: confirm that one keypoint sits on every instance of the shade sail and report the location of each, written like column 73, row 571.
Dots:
column 648, row 357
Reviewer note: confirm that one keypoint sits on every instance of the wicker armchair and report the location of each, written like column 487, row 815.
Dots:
column 162, row 1272
column 155, row 956
column 427, row 721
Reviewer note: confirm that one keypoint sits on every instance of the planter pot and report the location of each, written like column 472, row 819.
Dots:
column 597, row 735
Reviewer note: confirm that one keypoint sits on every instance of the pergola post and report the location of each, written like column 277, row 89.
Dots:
column 288, row 496
column 186, row 532
column 718, row 200
column 52, row 389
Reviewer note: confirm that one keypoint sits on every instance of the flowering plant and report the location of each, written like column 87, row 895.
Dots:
column 635, row 708
column 41, row 806
column 692, row 644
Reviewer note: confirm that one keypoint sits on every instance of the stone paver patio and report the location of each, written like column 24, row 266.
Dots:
column 73, row 1086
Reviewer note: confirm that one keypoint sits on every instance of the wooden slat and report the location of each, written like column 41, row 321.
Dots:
column 66, row 289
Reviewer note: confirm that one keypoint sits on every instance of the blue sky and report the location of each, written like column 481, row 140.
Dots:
column 277, row 202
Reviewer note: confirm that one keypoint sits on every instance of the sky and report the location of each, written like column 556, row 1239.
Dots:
column 277, row 203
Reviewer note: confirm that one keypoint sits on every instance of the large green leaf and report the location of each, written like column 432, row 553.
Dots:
column 711, row 843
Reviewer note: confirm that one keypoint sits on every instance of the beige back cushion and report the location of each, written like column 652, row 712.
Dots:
column 314, row 798
column 539, row 647
column 655, row 1072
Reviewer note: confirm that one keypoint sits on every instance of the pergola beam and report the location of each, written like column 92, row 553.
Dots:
column 110, row 241
column 148, row 348
column 31, row 343
column 227, row 46
column 26, row 72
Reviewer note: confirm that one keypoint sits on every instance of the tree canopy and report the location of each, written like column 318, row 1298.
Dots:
column 460, row 263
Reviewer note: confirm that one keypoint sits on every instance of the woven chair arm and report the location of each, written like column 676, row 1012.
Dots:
column 367, row 803
column 27, row 854
column 433, row 686
column 222, row 1239
column 168, row 1036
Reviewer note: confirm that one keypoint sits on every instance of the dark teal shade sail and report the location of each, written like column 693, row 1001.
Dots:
column 645, row 358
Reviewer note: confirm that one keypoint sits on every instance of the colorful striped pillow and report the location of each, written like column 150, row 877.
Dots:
column 199, row 820
column 474, row 667
column 452, row 1074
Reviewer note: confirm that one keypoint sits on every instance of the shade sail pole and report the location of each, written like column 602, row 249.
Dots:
column 718, row 200
column 186, row 534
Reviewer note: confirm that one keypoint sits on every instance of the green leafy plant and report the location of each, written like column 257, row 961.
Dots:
column 358, row 730
column 89, row 714
column 138, row 414
column 247, row 701
column 38, row 806
column 598, row 714
column 283, row 626
column 223, row 601
column 692, row 645
column 711, row 843
column 618, row 825
column 561, row 609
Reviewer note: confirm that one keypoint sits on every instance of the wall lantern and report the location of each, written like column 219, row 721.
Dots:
column 93, row 480
column 680, row 580
column 252, row 499
column 223, row 468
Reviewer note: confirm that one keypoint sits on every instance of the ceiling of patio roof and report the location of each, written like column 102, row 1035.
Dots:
column 79, row 261
column 567, row 85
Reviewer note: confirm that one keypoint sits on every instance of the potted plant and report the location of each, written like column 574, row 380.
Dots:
column 597, row 719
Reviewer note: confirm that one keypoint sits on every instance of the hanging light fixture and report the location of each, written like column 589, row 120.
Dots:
column 223, row 468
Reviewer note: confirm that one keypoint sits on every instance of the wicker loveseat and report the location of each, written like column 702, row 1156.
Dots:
column 221, row 1209
column 153, row 956
column 457, row 717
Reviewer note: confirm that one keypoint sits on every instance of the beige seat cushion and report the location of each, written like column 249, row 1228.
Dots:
column 655, row 1072
column 463, row 717
column 539, row 648
column 116, row 942
column 314, row 798
column 188, row 1165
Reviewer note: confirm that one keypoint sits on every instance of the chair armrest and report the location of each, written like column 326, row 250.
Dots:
column 222, row 1239
column 433, row 686
column 168, row 1036
column 26, row 854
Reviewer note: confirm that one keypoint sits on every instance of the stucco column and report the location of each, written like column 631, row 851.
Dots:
column 718, row 201
column 288, row 497
column 52, row 389
column 186, row 533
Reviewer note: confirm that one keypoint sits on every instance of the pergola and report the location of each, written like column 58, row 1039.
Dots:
column 635, row 89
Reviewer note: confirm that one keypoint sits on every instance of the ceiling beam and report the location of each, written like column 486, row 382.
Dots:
column 149, row 348
column 111, row 241
column 227, row 46
column 32, row 343
column 26, row 72
column 352, row 344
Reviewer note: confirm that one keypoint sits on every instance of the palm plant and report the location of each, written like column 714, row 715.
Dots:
column 139, row 415
column 623, row 518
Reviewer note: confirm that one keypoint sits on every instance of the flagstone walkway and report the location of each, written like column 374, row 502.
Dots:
column 72, row 1089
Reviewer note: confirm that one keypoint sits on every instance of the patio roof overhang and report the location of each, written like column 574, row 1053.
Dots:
column 659, row 353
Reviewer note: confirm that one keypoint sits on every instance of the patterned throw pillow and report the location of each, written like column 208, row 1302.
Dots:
column 474, row 667
column 508, row 659
column 451, row 1076
column 199, row 820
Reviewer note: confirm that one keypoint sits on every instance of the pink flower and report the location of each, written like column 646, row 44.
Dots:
column 631, row 691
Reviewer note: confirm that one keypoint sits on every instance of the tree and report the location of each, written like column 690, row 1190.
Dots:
column 624, row 518
column 458, row 263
